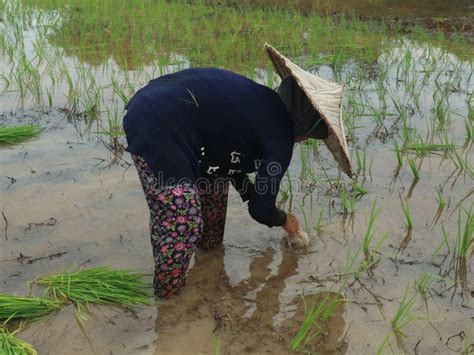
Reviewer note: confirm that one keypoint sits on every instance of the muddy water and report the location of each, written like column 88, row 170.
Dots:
column 65, row 207
column 246, row 293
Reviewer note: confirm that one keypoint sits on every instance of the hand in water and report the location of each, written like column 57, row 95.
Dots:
column 291, row 226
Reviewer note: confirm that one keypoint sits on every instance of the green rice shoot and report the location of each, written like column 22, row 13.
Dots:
column 27, row 309
column 404, row 316
column 319, row 312
column 11, row 345
column 414, row 169
column 99, row 285
column 407, row 215
column 17, row 134
column 465, row 239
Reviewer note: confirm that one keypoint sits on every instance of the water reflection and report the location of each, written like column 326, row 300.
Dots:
column 243, row 317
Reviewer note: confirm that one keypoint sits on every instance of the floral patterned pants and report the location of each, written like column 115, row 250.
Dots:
column 182, row 217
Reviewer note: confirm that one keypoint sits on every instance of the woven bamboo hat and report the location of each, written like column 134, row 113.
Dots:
column 325, row 97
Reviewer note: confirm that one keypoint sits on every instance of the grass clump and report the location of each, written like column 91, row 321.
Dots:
column 17, row 134
column 26, row 308
column 98, row 285
column 11, row 345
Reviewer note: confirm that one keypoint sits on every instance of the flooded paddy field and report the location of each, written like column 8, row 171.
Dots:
column 389, row 268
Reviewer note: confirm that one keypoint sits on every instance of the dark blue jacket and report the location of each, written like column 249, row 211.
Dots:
column 207, row 123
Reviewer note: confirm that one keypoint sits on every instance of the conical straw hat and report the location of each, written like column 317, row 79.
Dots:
column 326, row 98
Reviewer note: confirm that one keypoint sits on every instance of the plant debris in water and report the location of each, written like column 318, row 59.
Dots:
column 17, row 134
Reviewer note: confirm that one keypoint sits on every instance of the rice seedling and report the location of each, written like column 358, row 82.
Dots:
column 350, row 262
column 398, row 153
column 422, row 285
column 17, row 134
column 462, row 164
column 305, row 218
column 368, row 239
column 359, row 190
column 361, row 159
column 465, row 237
column 422, row 148
column 347, row 202
column 414, row 169
column 90, row 101
column 29, row 309
column 467, row 347
column 119, row 90
column 445, row 236
column 98, row 285
column 403, row 316
column 11, row 345
column 320, row 311
column 319, row 221
column 440, row 199
column 284, row 195
column 369, row 234
column 469, row 129
column 441, row 111
column 464, row 245
column 407, row 215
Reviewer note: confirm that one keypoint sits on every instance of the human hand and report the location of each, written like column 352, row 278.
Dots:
column 292, row 225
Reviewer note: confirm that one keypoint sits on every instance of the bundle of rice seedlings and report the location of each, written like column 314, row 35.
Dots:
column 16, row 134
column 29, row 309
column 99, row 285
column 11, row 345
column 298, row 240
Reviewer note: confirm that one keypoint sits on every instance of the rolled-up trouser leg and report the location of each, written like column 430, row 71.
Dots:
column 175, row 227
column 214, row 210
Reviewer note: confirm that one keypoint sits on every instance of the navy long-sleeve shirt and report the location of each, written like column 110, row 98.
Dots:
column 207, row 123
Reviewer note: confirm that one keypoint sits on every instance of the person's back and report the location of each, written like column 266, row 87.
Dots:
column 216, row 122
